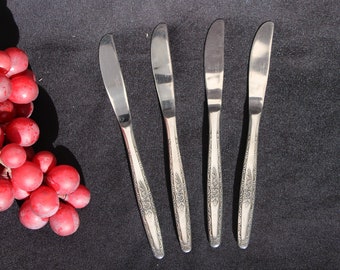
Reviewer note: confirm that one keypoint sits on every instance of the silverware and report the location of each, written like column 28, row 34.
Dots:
column 162, row 71
column 214, row 70
column 115, row 87
column 258, row 77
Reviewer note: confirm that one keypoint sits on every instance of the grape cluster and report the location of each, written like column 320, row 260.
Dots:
column 51, row 192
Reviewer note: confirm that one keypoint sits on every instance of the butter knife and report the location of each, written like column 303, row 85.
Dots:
column 257, row 84
column 162, row 71
column 115, row 87
column 214, row 71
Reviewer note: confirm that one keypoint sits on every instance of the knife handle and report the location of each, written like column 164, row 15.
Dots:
column 214, row 184
column 143, row 194
column 248, row 183
column 178, row 187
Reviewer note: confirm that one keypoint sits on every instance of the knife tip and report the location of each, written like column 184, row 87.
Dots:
column 269, row 24
column 107, row 36
column 161, row 27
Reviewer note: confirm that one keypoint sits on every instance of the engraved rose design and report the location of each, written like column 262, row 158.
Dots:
column 145, row 198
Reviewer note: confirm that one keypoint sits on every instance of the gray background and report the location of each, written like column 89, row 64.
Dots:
column 296, row 218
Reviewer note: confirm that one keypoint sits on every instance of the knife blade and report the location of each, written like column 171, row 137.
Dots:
column 214, row 72
column 258, row 76
column 163, row 76
column 115, row 87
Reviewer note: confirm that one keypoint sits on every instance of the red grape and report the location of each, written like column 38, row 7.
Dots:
column 13, row 155
column 46, row 160
column 23, row 131
column 7, row 111
column 23, row 110
column 63, row 178
column 19, row 61
column 22, row 172
column 29, row 219
column 19, row 194
column 44, row 201
column 28, row 176
column 24, row 90
column 65, row 221
column 79, row 198
column 5, row 88
column 5, row 62
column 6, row 194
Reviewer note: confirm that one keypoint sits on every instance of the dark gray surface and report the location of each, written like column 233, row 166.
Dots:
column 296, row 218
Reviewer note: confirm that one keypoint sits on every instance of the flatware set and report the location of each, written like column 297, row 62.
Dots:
column 164, row 83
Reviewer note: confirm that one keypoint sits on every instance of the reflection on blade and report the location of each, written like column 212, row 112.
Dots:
column 113, row 79
column 214, row 65
column 260, row 60
column 162, row 70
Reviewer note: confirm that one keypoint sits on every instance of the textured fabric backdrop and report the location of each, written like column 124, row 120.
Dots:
column 296, row 216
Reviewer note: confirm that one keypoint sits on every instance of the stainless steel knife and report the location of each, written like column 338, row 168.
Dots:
column 258, row 77
column 115, row 87
column 214, row 71
column 162, row 71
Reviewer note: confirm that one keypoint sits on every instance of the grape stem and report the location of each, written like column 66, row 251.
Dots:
column 6, row 172
column 63, row 196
